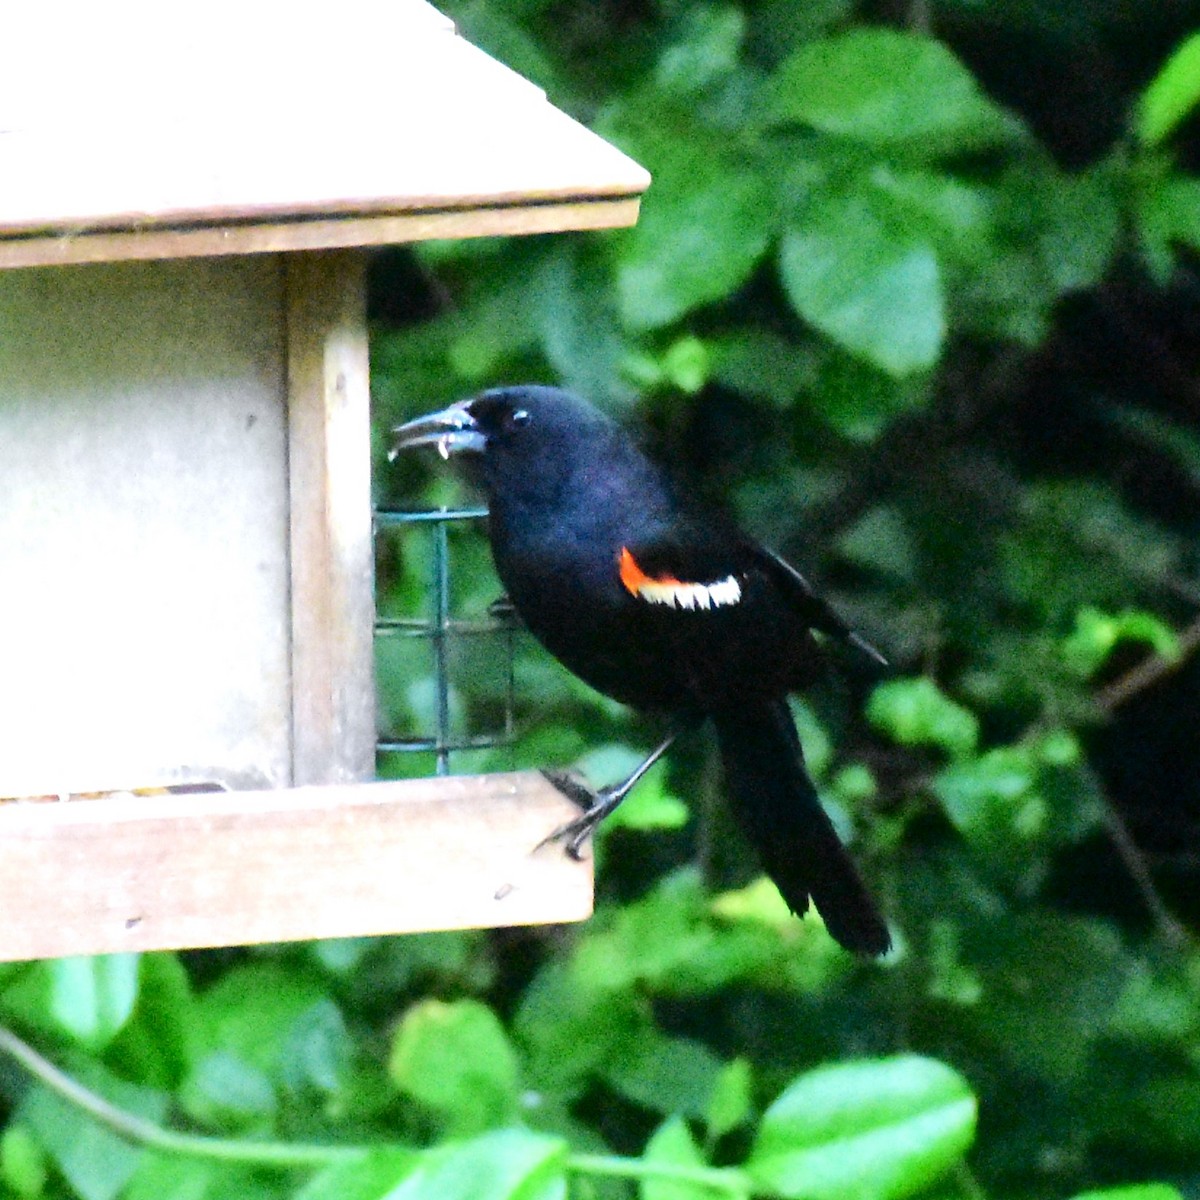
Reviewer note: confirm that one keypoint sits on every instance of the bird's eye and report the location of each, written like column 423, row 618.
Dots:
column 517, row 418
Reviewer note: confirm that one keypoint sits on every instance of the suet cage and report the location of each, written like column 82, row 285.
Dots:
column 440, row 630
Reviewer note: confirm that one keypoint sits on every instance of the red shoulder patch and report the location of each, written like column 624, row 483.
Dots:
column 675, row 593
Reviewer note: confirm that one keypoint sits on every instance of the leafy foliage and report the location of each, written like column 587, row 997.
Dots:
column 924, row 316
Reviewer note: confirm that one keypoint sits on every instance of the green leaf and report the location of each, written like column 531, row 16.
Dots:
column 1097, row 634
column 686, row 364
column 710, row 38
column 778, row 25
column 881, row 86
column 508, row 1164
column 246, row 1028
column 224, row 1090
column 758, row 901
column 672, row 1145
column 665, row 1074
column 950, row 979
column 1135, row 1191
column 23, row 1167
column 1168, row 211
column 1050, row 982
column 651, row 809
column 1160, row 1008
column 881, row 541
column 1098, row 548
column 854, row 784
column 88, row 999
column 957, row 217
column 251, row 1013
column 497, row 324
column 1058, row 748
column 730, row 1103
column 581, row 334
column 157, row 1043
column 170, row 1177
column 318, row 1050
column 1177, row 210
column 860, row 401
column 761, row 363
column 874, row 1130
column 993, row 799
column 666, row 943
column 455, row 1059
column 571, row 1021
column 1015, row 798
column 1078, row 228
column 341, row 956
column 914, row 712
column 871, row 286
column 1171, row 94
column 705, row 223
column 371, row 1177
column 94, row 1161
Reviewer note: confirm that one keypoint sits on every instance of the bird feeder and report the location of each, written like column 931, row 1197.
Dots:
column 187, row 728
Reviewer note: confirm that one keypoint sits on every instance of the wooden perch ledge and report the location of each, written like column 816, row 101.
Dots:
column 181, row 871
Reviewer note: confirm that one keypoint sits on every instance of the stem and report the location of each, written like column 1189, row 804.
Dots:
column 722, row 1179
column 1149, row 672
column 286, row 1155
column 146, row 1133
column 1169, row 930
column 1110, row 698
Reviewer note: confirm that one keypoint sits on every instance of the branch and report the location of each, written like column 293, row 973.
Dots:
column 1149, row 672
column 288, row 1155
column 722, row 1179
column 146, row 1133
column 1171, row 931
column 1109, row 698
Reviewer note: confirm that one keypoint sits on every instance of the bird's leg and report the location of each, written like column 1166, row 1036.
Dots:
column 598, row 803
column 502, row 609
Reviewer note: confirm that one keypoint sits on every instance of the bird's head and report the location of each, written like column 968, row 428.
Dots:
column 527, row 436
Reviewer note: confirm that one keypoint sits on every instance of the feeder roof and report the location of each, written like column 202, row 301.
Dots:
column 138, row 129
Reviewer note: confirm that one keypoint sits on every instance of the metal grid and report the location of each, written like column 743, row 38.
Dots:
column 441, row 629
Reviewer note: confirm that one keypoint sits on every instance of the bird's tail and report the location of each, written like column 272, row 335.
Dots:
column 776, row 806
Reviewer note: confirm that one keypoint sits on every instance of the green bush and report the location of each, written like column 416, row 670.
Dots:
column 845, row 312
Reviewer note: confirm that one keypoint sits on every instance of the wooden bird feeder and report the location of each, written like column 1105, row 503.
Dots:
column 185, row 518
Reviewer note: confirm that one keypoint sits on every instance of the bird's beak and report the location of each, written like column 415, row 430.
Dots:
column 452, row 431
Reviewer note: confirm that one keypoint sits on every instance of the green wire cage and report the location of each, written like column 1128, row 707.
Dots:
column 443, row 630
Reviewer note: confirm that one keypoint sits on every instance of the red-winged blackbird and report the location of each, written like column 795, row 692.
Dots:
column 665, row 608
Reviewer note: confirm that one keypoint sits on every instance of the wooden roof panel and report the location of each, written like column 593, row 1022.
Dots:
column 413, row 120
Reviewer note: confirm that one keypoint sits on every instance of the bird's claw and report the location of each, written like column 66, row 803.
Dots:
column 572, row 785
column 574, row 846
column 575, row 833
column 502, row 609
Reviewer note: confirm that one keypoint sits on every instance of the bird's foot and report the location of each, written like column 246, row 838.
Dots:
column 597, row 804
column 502, row 609
column 572, row 785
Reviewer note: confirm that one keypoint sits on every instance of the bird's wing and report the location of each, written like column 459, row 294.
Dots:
column 694, row 566
column 683, row 567
column 816, row 612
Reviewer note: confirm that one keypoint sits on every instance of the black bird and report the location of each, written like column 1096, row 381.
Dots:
column 668, row 609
